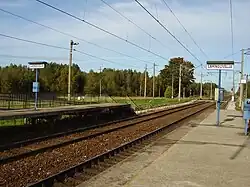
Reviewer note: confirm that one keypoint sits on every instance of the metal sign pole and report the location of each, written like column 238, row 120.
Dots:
column 36, row 90
column 218, row 102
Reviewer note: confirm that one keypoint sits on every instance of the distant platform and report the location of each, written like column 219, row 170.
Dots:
column 64, row 110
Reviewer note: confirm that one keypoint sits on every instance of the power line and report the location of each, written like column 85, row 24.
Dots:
column 129, row 20
column 166, row 30
column 101, row 29
column 64, row 48
column 185, row 28
column 33, row 42
column 231, row 54
column 66, row 34
column 30, row 57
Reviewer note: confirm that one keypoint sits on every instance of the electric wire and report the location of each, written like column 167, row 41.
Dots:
column 64, row 48
column 158, row 21
column 101, row 29
column 136, row 25
column 191, row 37
column 66, row 34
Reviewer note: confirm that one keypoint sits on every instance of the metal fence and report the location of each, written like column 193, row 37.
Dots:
column 23, row 101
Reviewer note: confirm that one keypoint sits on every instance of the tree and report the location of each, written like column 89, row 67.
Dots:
column 172, row 70
column 168, row 92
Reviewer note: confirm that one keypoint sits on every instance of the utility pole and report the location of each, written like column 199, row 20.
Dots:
column 159, row 84
column 241, row 77
column 70, row 64
column 201, row 87
column 172, row 89
column 145, row 82
column 179, row 94
column 154, row 80
column 100, row 83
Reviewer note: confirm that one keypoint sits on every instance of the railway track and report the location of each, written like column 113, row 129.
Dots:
column 26, row 148
column 53, row 162
column 68, row 132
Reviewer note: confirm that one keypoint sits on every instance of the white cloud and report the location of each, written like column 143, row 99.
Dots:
column 208, row 24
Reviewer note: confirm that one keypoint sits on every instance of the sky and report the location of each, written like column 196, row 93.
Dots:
column 208, row 22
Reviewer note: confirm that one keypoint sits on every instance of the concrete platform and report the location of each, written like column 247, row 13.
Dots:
column 231, row 106
column 64, row 110
column 207, row 156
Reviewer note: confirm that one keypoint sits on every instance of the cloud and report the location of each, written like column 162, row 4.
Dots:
column 12, row 3
column 209, row 24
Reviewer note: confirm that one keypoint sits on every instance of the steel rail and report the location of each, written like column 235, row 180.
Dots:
column 60, row 176
column 27, row 153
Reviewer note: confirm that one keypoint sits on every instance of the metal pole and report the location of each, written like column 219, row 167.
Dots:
column 233, row 87
column 218, row 102
column 100, row 82
column 145, row 83
column 246, row 85
column 241, row 77
column 154, row 81
column 172, row 86
column 211, row 91
column 201, row 87
column 69, row 74
column 179, row 94
column 36, row 94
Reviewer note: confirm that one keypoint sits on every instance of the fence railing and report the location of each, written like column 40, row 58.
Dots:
column 24, row 101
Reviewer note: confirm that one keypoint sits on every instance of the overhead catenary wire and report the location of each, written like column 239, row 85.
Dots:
column 64, row 48
column 70, row 35
column 231, row 54
column 191, row 37
column 136, row 25
column 38, row 57
column 101, row 29
column 158, row 21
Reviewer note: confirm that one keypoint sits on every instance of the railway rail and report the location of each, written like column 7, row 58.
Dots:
column 53, row 163
column 23, row 149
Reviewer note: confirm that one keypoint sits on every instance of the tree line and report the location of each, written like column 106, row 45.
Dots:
column 54, row 78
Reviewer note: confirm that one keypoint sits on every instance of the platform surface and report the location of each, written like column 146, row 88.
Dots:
column 4, row 114
column 207, row 156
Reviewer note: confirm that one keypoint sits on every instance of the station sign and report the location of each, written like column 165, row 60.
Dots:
column 216, row 94
column 36, row 66
column 220, row 65
column 243, row 81
column 35, row 87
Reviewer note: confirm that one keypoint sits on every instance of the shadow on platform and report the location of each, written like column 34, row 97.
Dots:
column 234, row 155
column 214, row 125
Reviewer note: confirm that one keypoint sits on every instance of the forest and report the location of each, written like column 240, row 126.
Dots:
column 54, row 79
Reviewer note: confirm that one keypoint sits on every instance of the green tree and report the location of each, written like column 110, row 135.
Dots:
column 171, row 71
column 168, row 92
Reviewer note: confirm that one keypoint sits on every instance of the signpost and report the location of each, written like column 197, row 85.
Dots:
column 35, row 86
column 219, row 65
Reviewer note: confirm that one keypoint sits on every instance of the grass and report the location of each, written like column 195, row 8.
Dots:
column 145, row 103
